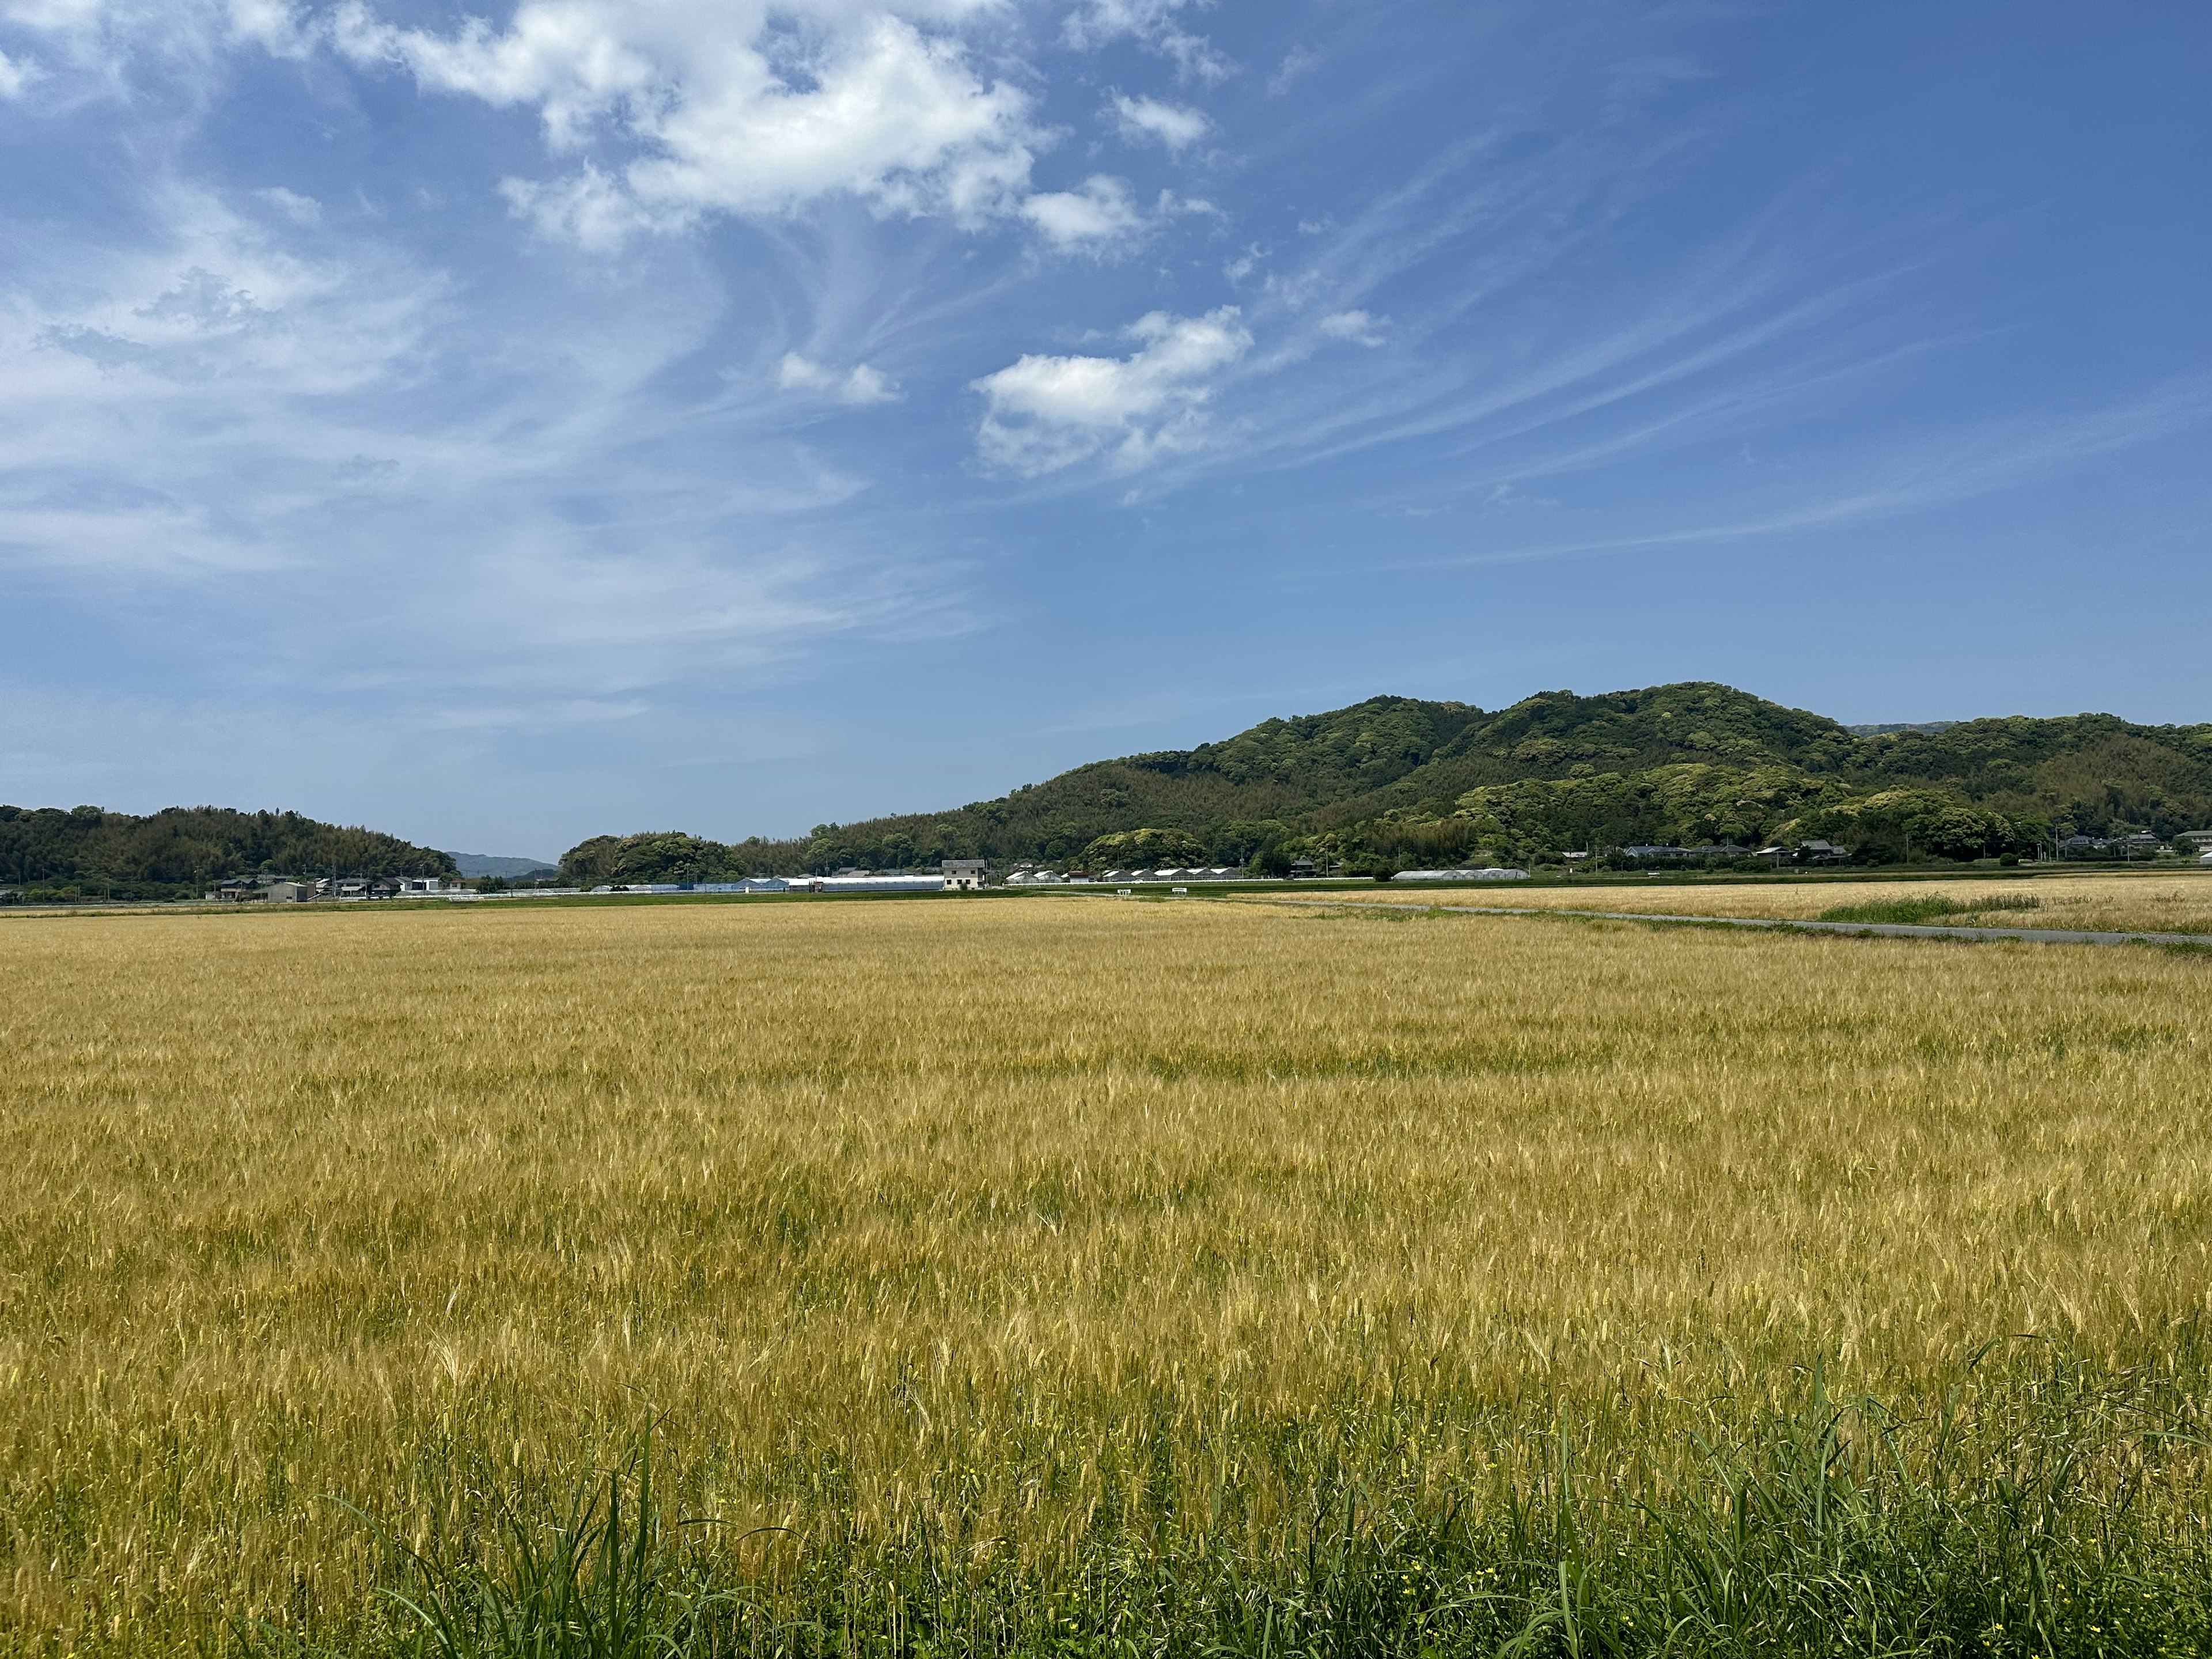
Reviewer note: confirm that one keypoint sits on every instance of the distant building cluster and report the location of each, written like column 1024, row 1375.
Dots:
column 1490, row 873
column 281, row 889
column 2141, row 846
column 1030, row 875
column 1804, row 853
column 845, row 881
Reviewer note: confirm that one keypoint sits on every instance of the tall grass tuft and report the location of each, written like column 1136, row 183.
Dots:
column 2009, row 1520
column 1930, row 908
column 605, row 1575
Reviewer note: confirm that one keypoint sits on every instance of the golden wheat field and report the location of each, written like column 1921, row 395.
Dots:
column 2118, row 903
column 995, row 1212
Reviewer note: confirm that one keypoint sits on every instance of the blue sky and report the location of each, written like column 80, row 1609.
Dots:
column 593, row 416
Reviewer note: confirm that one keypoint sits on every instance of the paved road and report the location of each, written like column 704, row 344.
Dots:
column 1880, row 929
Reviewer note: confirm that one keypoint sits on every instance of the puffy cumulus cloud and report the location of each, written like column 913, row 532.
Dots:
column 1357, row 326
column 1097, row 219
column 1171, row 125
column 859, row 386
column 745, row 106
column 1045, row 413
column 1151, row 24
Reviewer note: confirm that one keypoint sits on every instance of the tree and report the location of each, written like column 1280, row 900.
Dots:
column 1130, row 848
column 649, row 859
column 1894, row 824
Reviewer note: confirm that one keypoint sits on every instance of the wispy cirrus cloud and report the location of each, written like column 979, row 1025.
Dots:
column 215, row 405
column 1894, row 480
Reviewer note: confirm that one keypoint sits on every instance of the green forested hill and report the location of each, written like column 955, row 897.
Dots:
column 182, row 849
column 1399, row 779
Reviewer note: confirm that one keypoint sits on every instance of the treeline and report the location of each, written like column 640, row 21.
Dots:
column 658, row 856
column 85, row 852
column 1708, row 805
column 1398, row 781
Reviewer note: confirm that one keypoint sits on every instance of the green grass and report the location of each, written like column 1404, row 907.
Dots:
column 1932, row 907
column 2008, row 1521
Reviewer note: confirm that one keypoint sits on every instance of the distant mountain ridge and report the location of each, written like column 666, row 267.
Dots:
column 1400, row 778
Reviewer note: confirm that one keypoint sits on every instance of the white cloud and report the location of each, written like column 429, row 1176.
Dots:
column 1171, row 205
column 1151, row 24
column 299, row 209
column 745, row 106
column 1045, row 413
column 213, row 405
column 867, row 386
column 218, row 299
column 798, row 373
column 133, row 380
column 1244, row 263
column 1356, row 326
column 275, row 25
column 862, row 386
column 1096, row 219
column 15, row 75
column 1172, row 124
column 1296, row 62
column 98, row 48
column 587, row 208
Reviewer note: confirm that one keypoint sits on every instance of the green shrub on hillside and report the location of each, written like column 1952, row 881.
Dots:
column 1134, row 848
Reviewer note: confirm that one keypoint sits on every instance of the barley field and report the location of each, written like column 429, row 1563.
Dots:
column 1095, row 1277
column 2119, row 903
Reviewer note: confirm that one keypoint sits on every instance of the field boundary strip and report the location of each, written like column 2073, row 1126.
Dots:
column 1877, row 929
